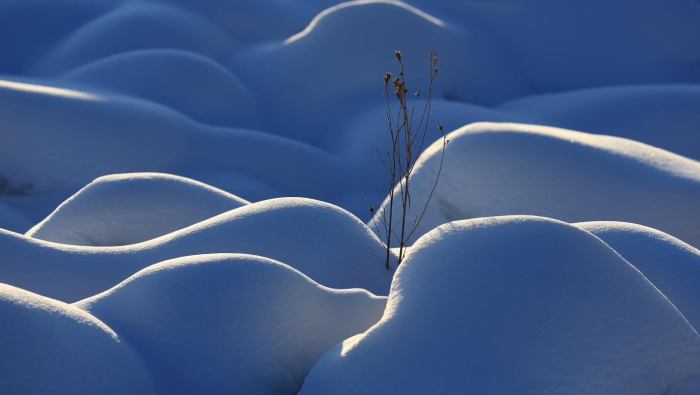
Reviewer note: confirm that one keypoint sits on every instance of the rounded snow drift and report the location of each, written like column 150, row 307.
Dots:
column 230, row 323
column 125, row 209
column 319, row 239
column 187, row 82
column 515, row 305
column 670, row 264
column 493, row 169
column 49, row 347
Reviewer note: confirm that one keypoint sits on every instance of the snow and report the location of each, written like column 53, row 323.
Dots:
column 671, row 265
column 515, row 304
column 230, row 323
column 11, row 220
column 210, row 91
column 106, row 133
column 131, row 208
column 145, row 138
column 564, row 46
column 499, row 169
column 189, row 83
column 217, row 323
column 52, row 347
column 658, row 115
column 135, row 27
column 323, row 241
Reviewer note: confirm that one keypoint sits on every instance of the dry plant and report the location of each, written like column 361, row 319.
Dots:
column 407, row 143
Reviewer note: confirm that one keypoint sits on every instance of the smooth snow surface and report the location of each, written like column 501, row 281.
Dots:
column 138, row 136
column 230, row 323
column 49, row 347
column 11, row 220
column 515, row 305
column 322, row 241
column 220, row 323
column 157, row 75
column 131, row 208
column 660, row 115
column 671, row 265
column 499, row 169
column 270, row 99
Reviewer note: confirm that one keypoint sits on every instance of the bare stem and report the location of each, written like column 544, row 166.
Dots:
column 401, row 158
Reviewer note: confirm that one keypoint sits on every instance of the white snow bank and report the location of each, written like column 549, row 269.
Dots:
column 500, row 169
column 230, row 323
column 322, row 241
column 60, row 136
column 664, row 116
column 325, row 72
column 366, row 133
column 515, row 305
column 49, row 347
column 185, row 81
column 155, row 77
column 671, row 265
column 660, row 115
column 130, row 208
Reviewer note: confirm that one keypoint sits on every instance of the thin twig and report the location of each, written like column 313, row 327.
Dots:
column 400, row 167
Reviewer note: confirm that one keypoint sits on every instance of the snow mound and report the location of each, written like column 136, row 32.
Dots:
column 105, row 133
column 159, row 85
column 501, row 169
column 671, row 265
column 251, row 22
column 332, row 61
column 187, row 82
column 660, row 115
column 230, row 323
column 323, row 241
column 515, row 305
column 135, row 27
column 61, row 136
column 131, row 208
column 49, row 347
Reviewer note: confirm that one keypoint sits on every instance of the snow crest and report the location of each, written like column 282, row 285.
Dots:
column 512, row 305
column 178, row 113
column 52, row 347
column 131, row 208
column 493, row 169
column 231, row 323
column 321, row 240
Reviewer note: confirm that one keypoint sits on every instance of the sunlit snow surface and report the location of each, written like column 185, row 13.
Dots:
column 194, row 278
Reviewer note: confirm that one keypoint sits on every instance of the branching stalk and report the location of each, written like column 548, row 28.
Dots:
column 402, row 157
